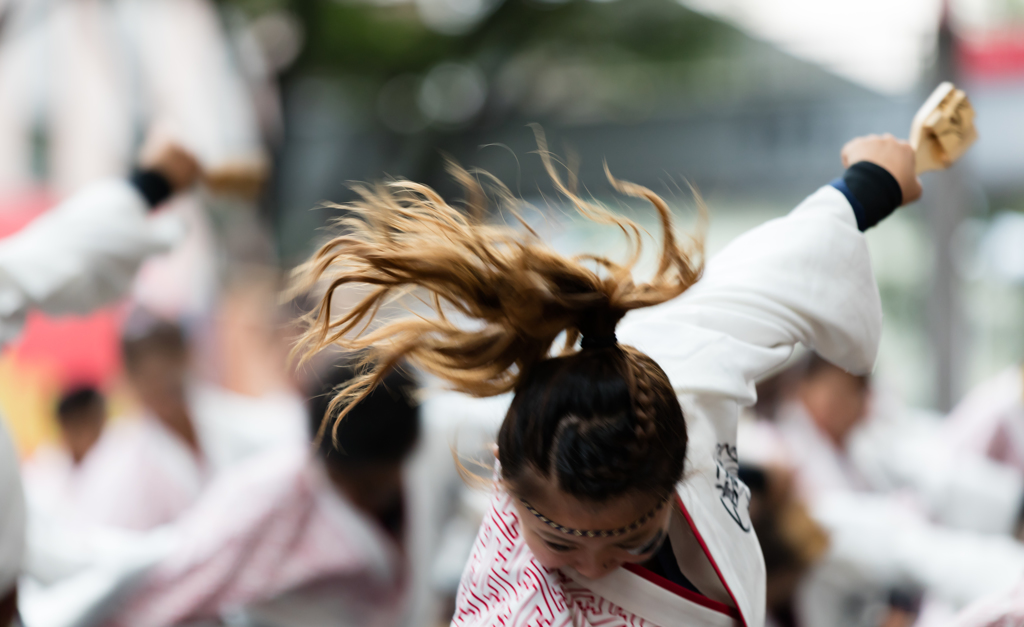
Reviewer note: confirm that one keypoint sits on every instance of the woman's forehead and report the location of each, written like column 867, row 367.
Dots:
column 566, row 511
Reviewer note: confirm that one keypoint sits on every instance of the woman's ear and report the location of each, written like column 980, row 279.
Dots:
column 494, row 450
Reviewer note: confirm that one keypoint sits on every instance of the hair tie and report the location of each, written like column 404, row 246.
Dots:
column 600, row 341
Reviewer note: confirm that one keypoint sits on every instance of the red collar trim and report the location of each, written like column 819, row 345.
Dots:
column 689, row 595
column 704, row 547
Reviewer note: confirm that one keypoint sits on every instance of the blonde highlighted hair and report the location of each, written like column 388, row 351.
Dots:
column 402, row 236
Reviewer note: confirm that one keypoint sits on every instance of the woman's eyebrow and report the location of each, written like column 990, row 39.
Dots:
column 635, row 540
column 550, row 537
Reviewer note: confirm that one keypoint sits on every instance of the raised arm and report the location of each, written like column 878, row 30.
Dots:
column 84, row 253
column 802, row 278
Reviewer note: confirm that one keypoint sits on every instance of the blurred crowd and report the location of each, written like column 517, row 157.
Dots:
column 175, row 465
column 870, row 512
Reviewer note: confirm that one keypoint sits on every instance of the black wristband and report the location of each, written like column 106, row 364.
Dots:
column 876, row 191
column 153, row 186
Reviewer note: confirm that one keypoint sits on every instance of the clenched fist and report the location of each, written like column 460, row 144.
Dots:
column 163, row 154
column 895, row 155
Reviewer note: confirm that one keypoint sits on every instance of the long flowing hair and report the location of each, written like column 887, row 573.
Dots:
column 401, row 237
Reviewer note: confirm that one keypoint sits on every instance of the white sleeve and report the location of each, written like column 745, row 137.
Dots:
column 888, row 543
column 81, row 255
column 805, row 278
column 12, row 514
column 973, row 493
column 899, row 448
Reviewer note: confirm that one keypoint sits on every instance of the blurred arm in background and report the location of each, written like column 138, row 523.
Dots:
column 84, row 253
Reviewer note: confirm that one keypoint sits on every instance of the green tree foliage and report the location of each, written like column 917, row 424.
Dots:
column 363, row 38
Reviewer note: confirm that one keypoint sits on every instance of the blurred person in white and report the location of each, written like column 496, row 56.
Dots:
column 146, row 469
column 244, row 397
column 81, row 255
column 857, row 438
column 298, row 537
column 81, row 81
column 52, row 473
column 149, row 468
column 628, row 459
column 1005, row 609
column 905, row 511
column 989, row 421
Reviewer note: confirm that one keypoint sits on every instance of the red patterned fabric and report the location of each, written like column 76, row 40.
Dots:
column 504, row 584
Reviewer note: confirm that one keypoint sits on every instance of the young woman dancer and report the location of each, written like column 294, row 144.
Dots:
column 617, row 500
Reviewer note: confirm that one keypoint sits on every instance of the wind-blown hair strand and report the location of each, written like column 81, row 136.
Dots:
column 401, row 237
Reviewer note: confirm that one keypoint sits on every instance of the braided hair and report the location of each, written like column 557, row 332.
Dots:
column 601, row 420
column 599, row 423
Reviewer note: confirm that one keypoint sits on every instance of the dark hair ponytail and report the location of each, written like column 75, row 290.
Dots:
column 598, row 423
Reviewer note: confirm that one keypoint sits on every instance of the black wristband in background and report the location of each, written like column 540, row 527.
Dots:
column 871, row 190
column 153, row 186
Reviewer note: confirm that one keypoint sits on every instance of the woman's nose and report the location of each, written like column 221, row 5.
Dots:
column 596, row 567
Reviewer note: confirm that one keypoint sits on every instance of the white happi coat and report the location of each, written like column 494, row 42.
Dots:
column 802, row 278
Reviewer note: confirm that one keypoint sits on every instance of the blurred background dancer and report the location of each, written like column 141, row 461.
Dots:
column 914, row 525
column 298, row 537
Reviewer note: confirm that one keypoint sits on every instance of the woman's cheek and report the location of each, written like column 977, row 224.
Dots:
column 628, row 558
